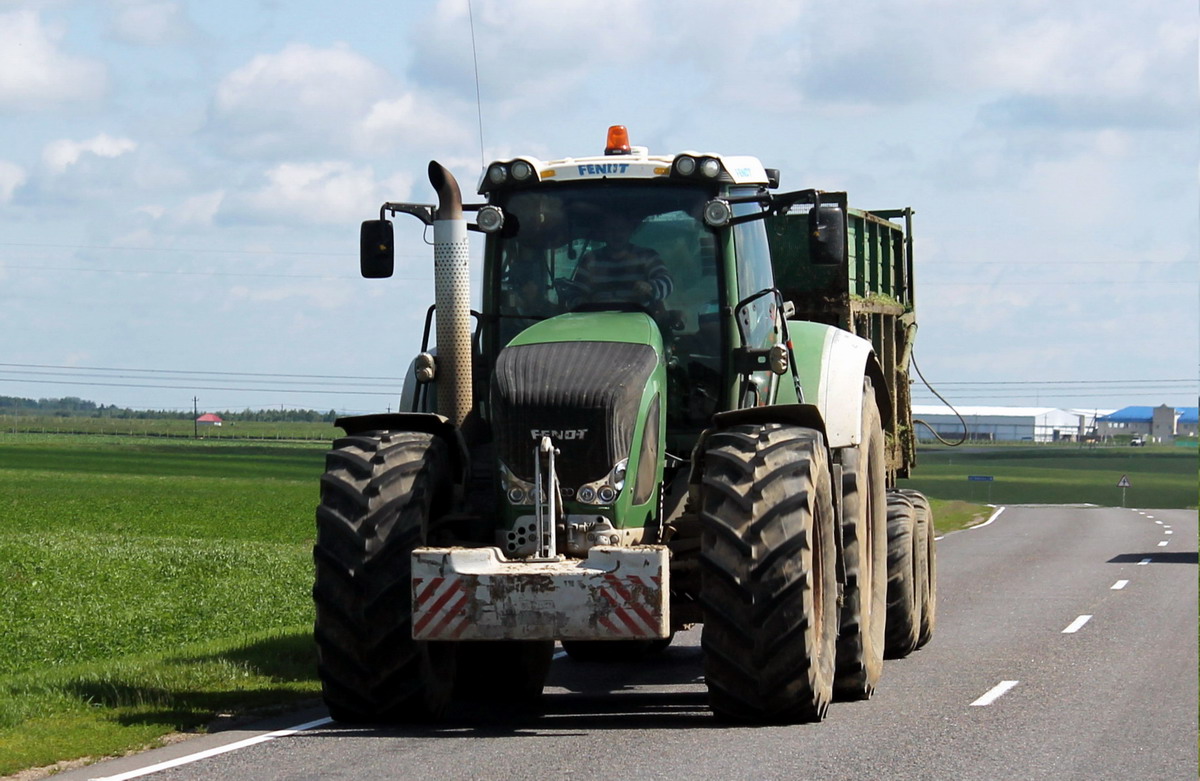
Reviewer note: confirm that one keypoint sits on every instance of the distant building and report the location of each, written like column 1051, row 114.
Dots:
column 1187, row 425
column 1158, row 424
column 1003, row 424
column 209, row 419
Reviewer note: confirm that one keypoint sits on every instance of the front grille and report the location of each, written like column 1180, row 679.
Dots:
column 584, row 395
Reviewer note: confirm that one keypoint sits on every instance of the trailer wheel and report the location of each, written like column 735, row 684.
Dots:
column 769, row 587
column 927, row 568
column 378, row 494
column 903, row 609
column 864, row 550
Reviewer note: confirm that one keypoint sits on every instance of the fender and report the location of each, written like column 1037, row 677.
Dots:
column 831, row 364
column 424, row 422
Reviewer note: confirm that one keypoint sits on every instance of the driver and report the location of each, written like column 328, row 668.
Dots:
column 620, row 271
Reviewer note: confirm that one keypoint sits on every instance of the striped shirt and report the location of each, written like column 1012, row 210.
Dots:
column 608, row 275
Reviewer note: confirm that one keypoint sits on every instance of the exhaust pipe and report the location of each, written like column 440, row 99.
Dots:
column 452, row 294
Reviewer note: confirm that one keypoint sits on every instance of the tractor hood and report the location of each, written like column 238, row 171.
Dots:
column 583, row 379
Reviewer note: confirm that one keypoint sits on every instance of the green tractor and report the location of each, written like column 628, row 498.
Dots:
column 684, row 401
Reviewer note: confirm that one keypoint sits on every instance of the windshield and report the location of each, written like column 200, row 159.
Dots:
column 618, row 246
column 605, row 246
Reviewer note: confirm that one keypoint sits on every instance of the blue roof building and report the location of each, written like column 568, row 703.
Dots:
column 1162, row 423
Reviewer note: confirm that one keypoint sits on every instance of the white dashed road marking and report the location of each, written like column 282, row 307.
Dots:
column 1120, row 584
column 995, row 693
column 1076, row 625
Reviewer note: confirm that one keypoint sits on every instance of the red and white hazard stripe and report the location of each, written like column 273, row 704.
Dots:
column 634, row 619
column 439, row 608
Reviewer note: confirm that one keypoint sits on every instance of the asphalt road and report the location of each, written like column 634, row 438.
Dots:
column 1113, row 695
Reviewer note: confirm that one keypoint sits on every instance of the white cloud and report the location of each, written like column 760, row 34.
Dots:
column 150, row 22
column 12, row 176
column 308, row 102
column 327, row 193
column 199, row 209
column 410, row 119
column 297, row 100
column 36, row 73
column 62, row 154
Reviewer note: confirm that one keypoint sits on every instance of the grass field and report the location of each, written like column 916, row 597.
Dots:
column 166, row 427
column 149, row 584
column 146, row 586
column 1162, row 477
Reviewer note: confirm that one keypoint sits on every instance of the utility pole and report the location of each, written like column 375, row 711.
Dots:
column 195, row 417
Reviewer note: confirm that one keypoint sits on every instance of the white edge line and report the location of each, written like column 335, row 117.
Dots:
column 1076, row 625
column 212, row 752
column 1120, row 584
column 995, row 693
column 995, row 515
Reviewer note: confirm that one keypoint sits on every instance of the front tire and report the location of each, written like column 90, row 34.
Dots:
column 769, row 587
column 864, row 550
column 379, row 493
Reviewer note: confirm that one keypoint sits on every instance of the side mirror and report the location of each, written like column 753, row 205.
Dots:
column 827, row 235
column 376, row 249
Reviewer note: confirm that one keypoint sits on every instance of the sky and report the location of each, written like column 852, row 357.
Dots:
column 181, row 181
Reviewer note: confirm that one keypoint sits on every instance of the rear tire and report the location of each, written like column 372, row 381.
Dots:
column 769, row 580
column 903, row 609
column 379, row 493
column 927, row 568
column 864, row 545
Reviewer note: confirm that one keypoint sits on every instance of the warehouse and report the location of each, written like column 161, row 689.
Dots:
column 1004, row 424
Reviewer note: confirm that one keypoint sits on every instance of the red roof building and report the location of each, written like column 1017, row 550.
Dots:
column 209, row 419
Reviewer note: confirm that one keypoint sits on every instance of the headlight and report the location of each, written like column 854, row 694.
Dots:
column 710, row 167
column 521, row 170
column 685, row 166
column 605, row 491
column 490, row 219
column 516, row 496
column 717, row 213
column 497, row 174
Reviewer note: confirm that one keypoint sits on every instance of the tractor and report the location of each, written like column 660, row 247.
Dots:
column 684, row 400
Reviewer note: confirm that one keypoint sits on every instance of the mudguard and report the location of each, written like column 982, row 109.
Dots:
column 831, row 364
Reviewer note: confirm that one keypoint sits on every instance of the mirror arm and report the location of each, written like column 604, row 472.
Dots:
column 422, row 211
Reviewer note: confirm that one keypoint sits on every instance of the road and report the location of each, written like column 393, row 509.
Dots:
column 1066, row 647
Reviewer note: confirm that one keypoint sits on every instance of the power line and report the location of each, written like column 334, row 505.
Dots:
column 203, row 387
column 196, row 250
column 202, row 373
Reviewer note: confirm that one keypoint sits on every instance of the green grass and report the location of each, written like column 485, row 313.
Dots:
column 952, row 515
column 166, row 427
column 1160, row 477
column 147, row 586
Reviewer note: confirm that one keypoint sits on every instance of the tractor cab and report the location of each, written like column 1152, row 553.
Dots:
column 631, row 232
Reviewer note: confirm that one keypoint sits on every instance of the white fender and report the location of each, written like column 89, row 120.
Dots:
column 832, row 364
